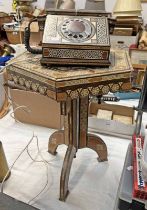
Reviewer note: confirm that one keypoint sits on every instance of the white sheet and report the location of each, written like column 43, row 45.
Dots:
column 92, row 185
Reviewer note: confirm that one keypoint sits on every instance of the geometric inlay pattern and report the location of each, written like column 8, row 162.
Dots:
column 102, row 32
column 74, row 53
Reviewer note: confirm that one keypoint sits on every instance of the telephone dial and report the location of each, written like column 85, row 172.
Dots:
column 73, row 38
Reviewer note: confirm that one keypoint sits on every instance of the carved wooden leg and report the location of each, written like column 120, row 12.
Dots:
column 55, row 140
column 71, row 151
column 97, row 144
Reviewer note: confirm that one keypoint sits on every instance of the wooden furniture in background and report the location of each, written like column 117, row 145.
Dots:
column 25, row 6
column 95, row 5
column 138, row 75
column 4, row 103
column 3, row 164
column 52, row 4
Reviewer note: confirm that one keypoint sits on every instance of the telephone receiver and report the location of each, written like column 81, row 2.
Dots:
column 73, row 31
column 27, row 33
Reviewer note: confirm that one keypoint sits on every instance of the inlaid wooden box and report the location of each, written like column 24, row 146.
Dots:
column 77, row 40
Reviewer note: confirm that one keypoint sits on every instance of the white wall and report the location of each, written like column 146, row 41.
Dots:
column 144, row 12
column 6, row 6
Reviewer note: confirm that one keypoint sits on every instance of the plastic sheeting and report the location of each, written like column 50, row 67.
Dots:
column 92, row 185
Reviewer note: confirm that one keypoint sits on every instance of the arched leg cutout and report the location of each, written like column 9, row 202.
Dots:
column 55, row 140
column 98, row 145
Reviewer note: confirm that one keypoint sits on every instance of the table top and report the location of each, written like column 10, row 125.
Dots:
column 66, row 81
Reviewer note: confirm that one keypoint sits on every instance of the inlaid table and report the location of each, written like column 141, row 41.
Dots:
column 71, row 86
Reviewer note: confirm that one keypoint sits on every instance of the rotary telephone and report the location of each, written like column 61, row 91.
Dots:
column 73, row 37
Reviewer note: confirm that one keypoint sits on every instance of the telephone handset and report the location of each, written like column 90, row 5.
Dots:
column 73, row 37
column 27, row 33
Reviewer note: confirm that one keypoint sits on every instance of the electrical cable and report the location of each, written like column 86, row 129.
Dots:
column 39, row 152
column 20, row 35
column 46, row 165
column 2, row 184
column 26, row 148
column 19, row 107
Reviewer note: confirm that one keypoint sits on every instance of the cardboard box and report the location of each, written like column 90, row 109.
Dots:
column 128, row 40
column 38, row 110
column 4, row 104
column 36, row 35
column 2, row 91
column 110, row 126
column 16, row 36
column 4, row 18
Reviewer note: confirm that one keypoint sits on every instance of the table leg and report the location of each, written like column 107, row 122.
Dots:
column 90, row 140
column 55, row 140
column 70, row 139
column 75, row 136
column 70, row 153
column 69, row 133
column 98, row 145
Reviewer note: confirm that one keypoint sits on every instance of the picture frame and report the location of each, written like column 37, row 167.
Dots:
column 138, row 56
column 52, row 4
column 138, row 75
column 95, row 5
column 122, row 31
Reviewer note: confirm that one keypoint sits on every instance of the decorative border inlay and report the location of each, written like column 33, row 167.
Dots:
column 29, row 65
column 60, row 83
column 29, row 84
column 75, row 53
column 99, row 90
column 102, row 31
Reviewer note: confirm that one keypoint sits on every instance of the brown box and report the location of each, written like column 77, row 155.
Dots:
column 116, row 110
column 17, row 36
column 5, row 19
column 123, row 31
column 40, row 110
column 4, row 104
column 121, row 124
column 35, row 36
